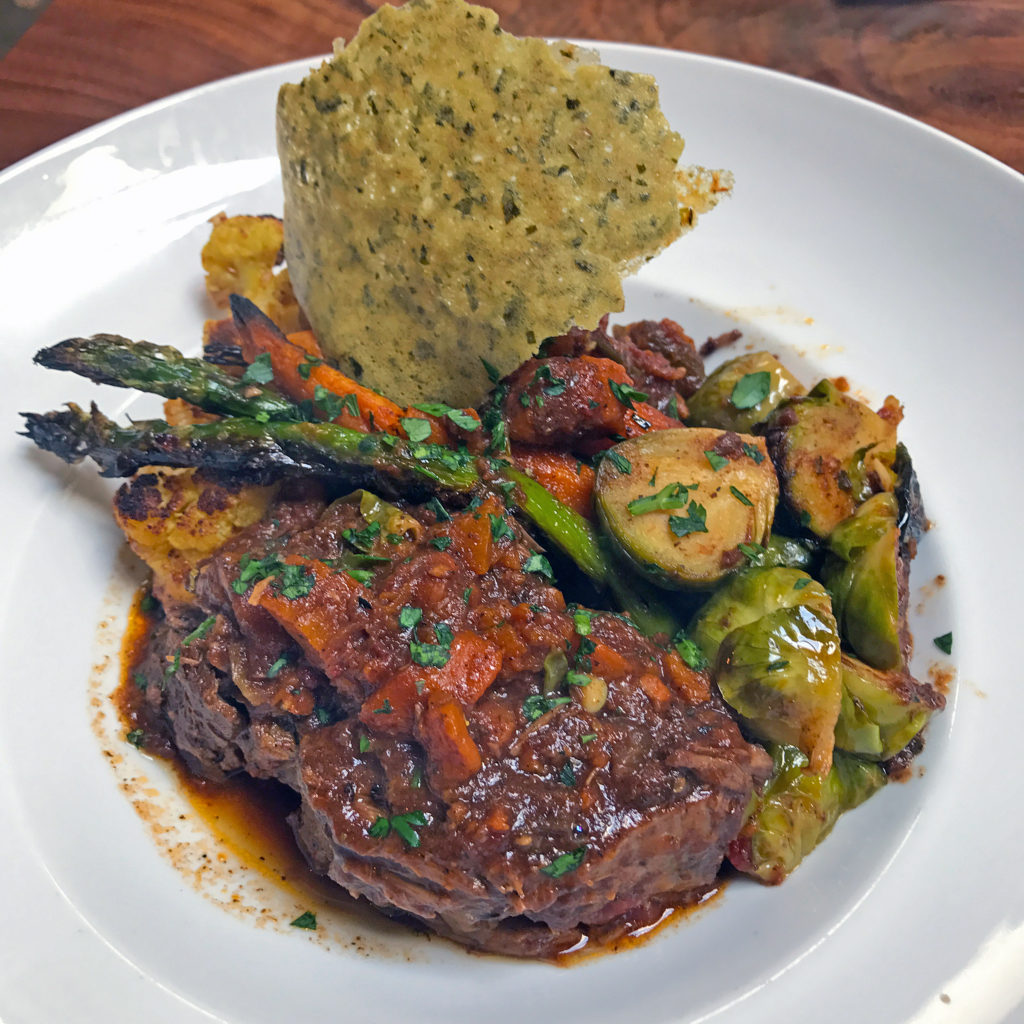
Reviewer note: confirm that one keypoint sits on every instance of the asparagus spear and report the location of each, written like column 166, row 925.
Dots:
column 162, row 370
column 259, row 452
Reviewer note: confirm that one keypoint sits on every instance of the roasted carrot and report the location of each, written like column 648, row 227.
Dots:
column 452, row 755
column 568, row 479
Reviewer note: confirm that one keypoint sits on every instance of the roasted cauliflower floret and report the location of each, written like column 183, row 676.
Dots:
column 243, row 256
column 175, row 518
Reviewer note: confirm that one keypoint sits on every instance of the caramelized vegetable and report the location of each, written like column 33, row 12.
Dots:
column 832, row 453
column 680, row 503
column 742, row 393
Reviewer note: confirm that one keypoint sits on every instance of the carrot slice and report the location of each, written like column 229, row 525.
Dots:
column 568, row 479
column 452, row 755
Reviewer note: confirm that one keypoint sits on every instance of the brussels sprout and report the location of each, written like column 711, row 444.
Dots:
column 863, row 575
column 779, row 551
column 797, row 809
column 881, row 711
column 742, row 393
column 771, row 637
column 832, row 453
column 912, row 518
column 680, row 504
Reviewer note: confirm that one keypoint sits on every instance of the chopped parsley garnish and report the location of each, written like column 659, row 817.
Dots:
column 307, row 364
column 574, row 678
column 466, row 594
column 416, row 780
column 323, row 717
column 441, row 543
column 566, row 863
column 416, row 429
column 409, row 617
column 136, row 737
column 385, row 708
column 492, row 371
column 753, row 452
column 689, row 651
column 277, row 666
column 673, row 407
column 395, row 538
column 259, row 371
column 716, row 461
column 777, row 665
column 364, row 743
column 433, row 655
column 626, row 394
column 459, row 417
column 364, row 576
column 555, row 385
column 140, row 681
column 307, row 920
column 403, row 825
column 944, row 643
column 695, row 521
column 362, row 539
column 670, row 496
column 620, row 462
column 538, row 704
column 539, row 564
column 740, row 496
column 567, row 777
column 582, row 619
column 440, row 513
column 329, row 403
column 200, row 631
column 499, row 527
column 588, row 737
column 801, row 583
column 148, row 602
column 751, row 389
column 290, row 581
column 752, row 552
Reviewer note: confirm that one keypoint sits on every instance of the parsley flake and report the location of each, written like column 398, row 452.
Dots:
column 277, row 666
column 944, row 643
column 669, row 497
column 538, row 704
column 307, row 920
column 441, row 543
column 137, row 737
column 492, row 371
column 582, row 619
column 689, row 651
column 753, row 452
column 306, row 366
column 751, row 389
column 409, row 617
column 200, row 631
column 329, row 403
column 717, row 461
column 499, row 527
column 695, row 521
column 567, row 777
column 539, row 564
column 416, row 428
column 620, row 462
column 626, row 394
column 259, row 371
column 565, row 863
column 740, row 496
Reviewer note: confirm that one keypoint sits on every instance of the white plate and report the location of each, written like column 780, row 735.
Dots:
column 866, row 243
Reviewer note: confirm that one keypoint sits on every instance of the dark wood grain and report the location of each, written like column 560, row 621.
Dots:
column 955, row 64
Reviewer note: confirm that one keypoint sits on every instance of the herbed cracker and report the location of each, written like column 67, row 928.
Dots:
column 453, row 192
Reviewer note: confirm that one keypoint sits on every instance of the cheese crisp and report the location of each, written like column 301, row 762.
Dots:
column 453, row 192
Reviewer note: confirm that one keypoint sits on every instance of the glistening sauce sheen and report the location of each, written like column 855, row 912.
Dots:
column 246, row 817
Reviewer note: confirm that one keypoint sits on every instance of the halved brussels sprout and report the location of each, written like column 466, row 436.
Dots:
column 742, row 393
column 881, row 711
column 832, row 453
column 772, row 641
column 680, row 503
column 779, row 551
column 862, row 574
column 797, row 809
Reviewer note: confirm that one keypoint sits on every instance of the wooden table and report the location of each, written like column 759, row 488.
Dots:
column 956, row 64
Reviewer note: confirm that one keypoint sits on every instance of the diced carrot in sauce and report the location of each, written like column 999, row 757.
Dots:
column 471, row 536
column 312, row 619
column 452, row 756
column 306, row 340
column 691, row 683
column 659, row 694
column 608, row 663
column 473, row 665
column 568, row 479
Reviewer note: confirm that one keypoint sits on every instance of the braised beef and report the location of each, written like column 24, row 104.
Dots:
column 457, row 792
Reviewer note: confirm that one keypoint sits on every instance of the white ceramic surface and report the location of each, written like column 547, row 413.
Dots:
column 857, row 242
